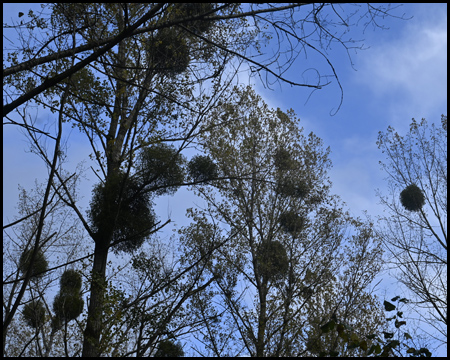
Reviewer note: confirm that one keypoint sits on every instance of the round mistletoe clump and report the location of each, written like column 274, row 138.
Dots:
column 71, row 280
column 122, row 212
column 34, row 313
column 292, row 223
column 68, row 304
column 168, row 52
column 168, row 348
column 412, row 198
column 272, row 259
column 202, row 168
column 40, row 264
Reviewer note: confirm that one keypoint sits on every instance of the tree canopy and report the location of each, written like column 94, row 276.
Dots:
column 290, row 263
column 415, row 230
column 143, row 83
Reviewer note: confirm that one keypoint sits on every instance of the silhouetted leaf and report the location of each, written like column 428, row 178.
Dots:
column 388, row 306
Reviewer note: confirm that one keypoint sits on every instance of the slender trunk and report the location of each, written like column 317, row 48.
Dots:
column 91, row 345
column 262, row 321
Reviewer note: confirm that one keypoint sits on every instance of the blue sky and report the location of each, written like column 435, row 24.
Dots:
column 402, row 75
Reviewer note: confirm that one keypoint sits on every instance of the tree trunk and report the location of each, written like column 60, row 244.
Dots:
column 262, row 321
column 91, row 345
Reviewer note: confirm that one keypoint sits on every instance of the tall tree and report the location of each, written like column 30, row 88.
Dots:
column 39, row 327
column 296, row 258
column 415, row 230
column 134, row 78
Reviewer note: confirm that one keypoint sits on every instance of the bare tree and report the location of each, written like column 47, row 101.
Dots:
column 415, row 230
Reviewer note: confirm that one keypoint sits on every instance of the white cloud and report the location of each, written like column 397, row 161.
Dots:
column 411, row 69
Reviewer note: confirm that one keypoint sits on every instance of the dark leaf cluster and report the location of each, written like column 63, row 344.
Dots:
column 160, row 168
column 40, row 264
column 202, row 168
column 68, row 303
column 34, row 313
column 283, row 161
column 289, row 187
column 412, row 198
column 168, row 52
column 121, row 212
column 292, row 223
column 191, row 10
column 272, row 260
column 168, row 348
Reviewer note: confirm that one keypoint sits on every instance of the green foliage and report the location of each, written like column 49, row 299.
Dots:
column 283, row 160
column 40, row 264
column 34, row 313
column 412, row 198
column 381, row 346
column 388, row 306
column 288, row 183
column 71, row 280
column 289, row 187
column 121, row 209
column 122, row 212
column 78, row 15
column 160, row 169
column 168, row 52
column 168, row 348
column 202, row 168
column 187, row 10
column 422, row 352
column 292, row 223
column 266, row 155
column 68, row 306
column 68, row 303
column 272, row 260
column 417, row 170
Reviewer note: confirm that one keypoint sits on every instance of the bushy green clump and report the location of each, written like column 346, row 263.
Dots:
column 71, row 280
column 283, row 160
column 292, row 223
column 68, row 303
column 34, row 313
column 412, row 198
column 168, row 348
column 202, row 168
column 122, row 212
column 160, row 169
column 292, row 188
column 67, row 307
column 168, row 52
column 272, row 260
column 40, row 264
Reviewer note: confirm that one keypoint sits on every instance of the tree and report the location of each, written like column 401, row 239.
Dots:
column 384, row 342
column 35, row 333
column 415, row 230
column 132, row 78
column 295, row 258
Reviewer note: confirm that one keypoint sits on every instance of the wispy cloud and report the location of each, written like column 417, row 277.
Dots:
column 410, row 72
